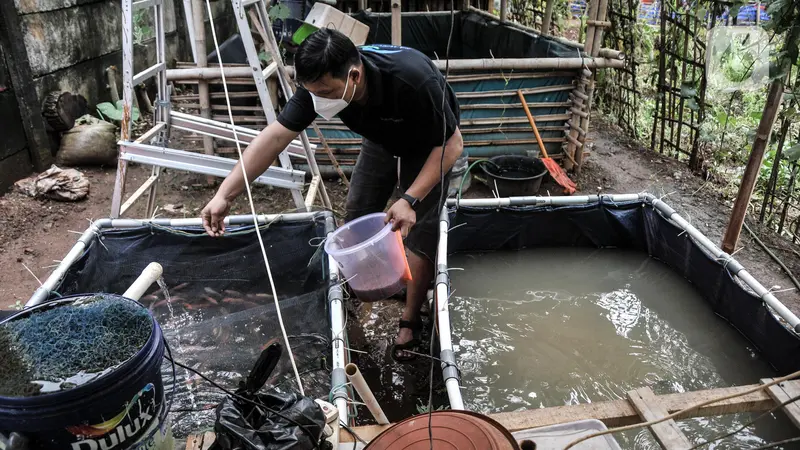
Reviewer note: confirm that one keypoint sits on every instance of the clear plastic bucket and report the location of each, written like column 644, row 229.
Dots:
column 371, row 257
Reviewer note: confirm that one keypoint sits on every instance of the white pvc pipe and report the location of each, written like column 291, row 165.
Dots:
column 338, row 331
column 149, row 275
column 361, row 386
column 443, row 313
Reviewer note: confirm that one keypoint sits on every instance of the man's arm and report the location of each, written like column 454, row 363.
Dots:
column 402, row 216
column 257, row 158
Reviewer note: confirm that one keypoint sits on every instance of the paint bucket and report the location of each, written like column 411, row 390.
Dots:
column 462, row 430
column 371, row 257
column 515, row 176
column 123, row 408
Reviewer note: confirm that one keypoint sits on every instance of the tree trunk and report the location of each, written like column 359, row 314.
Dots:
column 60, row 109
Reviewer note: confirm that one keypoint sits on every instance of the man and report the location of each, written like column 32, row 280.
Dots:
column 397, row 100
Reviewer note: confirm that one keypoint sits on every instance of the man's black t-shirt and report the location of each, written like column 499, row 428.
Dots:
column 403, row 112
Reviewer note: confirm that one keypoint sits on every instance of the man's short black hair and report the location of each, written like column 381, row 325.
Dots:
column 326, row 51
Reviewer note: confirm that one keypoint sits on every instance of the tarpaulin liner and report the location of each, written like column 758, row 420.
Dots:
column 221, row 312
column 636, row 226
column 501, row 130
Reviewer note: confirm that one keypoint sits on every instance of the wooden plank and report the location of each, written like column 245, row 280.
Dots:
column 667, row 433
column 782, row 392
column 616, row 413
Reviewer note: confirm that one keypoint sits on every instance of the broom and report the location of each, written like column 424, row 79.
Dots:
column 555, row 170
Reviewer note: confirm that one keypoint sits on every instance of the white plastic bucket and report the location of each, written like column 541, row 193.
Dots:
column 371, row 257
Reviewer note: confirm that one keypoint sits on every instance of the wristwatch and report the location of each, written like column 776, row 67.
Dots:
column 411, row 200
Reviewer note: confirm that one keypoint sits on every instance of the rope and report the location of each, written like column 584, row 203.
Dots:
column 683, row 411
column 250, row 199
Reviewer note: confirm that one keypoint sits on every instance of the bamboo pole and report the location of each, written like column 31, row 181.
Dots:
column 769, row 193
column 503, row 10
column 771, row 107
column 602, row 14
column 208, row 73
column 581, row 90
column 202, row 62
column 548, row 16
column 397, row 23
column 531, row 63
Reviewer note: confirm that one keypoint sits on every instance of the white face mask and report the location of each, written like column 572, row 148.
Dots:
column 328, row 108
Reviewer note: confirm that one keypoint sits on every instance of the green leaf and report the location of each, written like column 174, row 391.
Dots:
column 775, row 7
column 688, row 90
column 756, row 115
column 134, row 111
column 279, row 12
column 793, row 153
column 692, row 104
column 110, row 111
column 700, row 13
column 114, row 112
column 722, row 117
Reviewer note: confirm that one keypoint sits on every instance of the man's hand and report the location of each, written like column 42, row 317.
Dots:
column 402, row 217
column 214, row 215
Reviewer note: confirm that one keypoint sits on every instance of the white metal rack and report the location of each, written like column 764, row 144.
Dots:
column 151, row 148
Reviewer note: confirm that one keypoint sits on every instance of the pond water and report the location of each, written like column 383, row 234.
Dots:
column 551, row 327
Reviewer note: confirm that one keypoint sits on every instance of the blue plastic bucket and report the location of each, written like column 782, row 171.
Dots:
column 121, row 409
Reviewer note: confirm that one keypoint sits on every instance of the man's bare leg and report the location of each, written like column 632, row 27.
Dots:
column 416, row 293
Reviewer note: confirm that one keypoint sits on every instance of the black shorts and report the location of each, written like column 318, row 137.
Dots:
column 372, row 184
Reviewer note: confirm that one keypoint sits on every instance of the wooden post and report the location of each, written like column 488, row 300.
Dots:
column 362, row 5
column 490, row 6
column 202, row 62
column 19, row 68
column 774, row 98
column 397, row 23
column 503, row 10
column 548, row 16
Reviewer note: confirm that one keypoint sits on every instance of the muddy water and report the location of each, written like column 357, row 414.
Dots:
column 551, row 327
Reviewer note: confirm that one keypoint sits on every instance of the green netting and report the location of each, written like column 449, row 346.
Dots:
column 85, row 337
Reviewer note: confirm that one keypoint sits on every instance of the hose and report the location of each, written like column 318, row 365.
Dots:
column 466, row 173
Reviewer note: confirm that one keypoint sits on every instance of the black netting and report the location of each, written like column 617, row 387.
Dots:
column 221, row 312
column 630, row 226
column 81, row 339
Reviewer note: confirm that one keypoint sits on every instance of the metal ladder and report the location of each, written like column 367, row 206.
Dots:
column 151, row 147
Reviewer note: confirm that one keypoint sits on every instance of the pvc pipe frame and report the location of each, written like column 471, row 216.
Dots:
column 335, row 293
column 733, row 266
column 149, row 275
column 361, row 386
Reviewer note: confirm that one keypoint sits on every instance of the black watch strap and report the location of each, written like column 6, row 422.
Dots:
column 411, row 200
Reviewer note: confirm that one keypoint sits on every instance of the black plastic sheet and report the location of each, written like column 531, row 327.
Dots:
column 474, row 37
column 242, row 425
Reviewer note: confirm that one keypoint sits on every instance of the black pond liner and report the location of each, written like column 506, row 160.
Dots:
column 636, row 222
